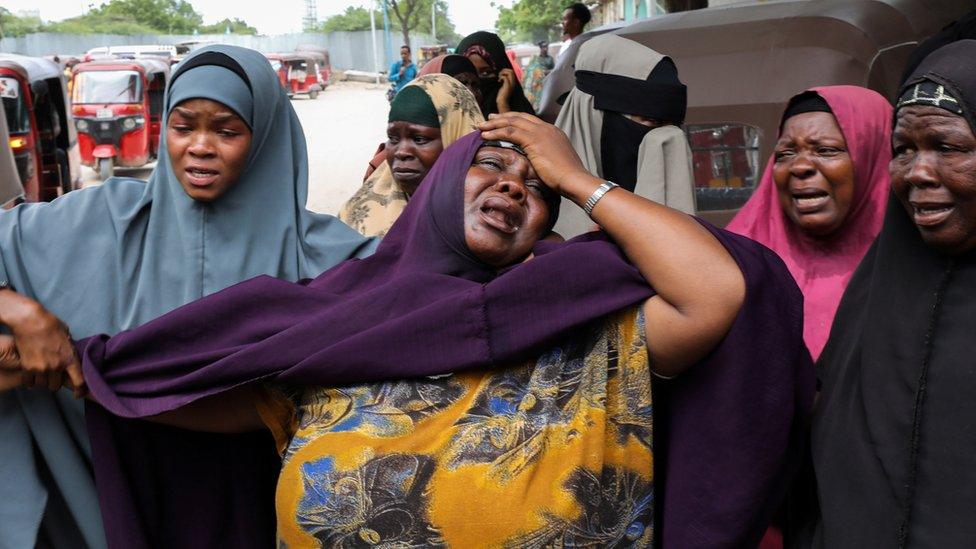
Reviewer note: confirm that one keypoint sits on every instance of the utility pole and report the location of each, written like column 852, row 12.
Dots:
column 372, row 34
column 311, row 19
column 433, row 20
column 387, row 42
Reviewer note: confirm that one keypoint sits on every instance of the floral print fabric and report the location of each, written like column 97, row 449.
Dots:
column 555, row 452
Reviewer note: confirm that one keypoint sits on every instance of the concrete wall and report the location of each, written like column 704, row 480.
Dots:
column 348, row 50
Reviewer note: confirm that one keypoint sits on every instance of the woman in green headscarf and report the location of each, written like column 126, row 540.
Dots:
column 426, row 116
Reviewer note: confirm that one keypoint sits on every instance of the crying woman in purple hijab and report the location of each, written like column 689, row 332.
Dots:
column 473, row 383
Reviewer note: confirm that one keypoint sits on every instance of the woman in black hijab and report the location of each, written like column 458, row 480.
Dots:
column 501, row 90
column 894, row 436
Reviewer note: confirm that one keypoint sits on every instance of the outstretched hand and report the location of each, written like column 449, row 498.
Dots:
column 45, row 354
column 548, row 148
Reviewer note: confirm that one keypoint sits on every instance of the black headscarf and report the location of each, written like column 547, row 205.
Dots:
column 454, row 65
column 808, row 101
column 961, row 29
column 490, row 47
column 894, row 436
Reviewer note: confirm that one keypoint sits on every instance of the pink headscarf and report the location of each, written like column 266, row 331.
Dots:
column 822, row 268
column 516, row 66
column 433, row 66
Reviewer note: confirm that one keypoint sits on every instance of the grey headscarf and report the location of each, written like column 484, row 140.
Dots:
column 108, row 258
column 664, row 167
column 10, row 187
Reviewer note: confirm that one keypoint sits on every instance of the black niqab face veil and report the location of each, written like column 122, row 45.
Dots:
column 491, row 48
column 620, row 141
column 895, row 432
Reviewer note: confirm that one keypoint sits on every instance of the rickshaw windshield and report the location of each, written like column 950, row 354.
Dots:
column 14, row 105
column 107, row 87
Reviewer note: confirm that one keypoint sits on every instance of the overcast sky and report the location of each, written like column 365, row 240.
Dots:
column 274, row 16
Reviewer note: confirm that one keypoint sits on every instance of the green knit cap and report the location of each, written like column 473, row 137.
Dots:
column 413, row 105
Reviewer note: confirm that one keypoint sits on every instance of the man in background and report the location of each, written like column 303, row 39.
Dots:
column 402, row 72
column 535, row 74
column 575, row 18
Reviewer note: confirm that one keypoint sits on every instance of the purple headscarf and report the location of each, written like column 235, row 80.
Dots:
column 424, row 305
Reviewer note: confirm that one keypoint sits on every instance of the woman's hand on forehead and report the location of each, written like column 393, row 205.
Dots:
column 548, row 148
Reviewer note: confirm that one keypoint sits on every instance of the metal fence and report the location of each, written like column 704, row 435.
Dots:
column 348, row 50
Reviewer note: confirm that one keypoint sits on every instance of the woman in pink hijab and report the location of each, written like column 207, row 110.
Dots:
column 822, row 198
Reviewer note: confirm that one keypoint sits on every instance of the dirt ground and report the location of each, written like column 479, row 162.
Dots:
column 343, row 127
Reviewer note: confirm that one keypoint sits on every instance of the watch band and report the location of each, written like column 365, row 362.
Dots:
column 597, row 195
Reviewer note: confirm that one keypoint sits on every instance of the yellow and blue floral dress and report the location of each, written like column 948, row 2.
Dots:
column 552, row 453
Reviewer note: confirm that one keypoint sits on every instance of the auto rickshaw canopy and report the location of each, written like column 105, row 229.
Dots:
column 31, row 68
column 148, row 67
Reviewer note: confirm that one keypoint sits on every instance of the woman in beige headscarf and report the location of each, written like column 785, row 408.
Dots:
column 623, row 117
column 426, row 116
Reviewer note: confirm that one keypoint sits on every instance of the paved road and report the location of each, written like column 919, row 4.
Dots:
column 343, row 126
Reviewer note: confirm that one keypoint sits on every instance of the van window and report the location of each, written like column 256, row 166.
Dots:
column 726, row 163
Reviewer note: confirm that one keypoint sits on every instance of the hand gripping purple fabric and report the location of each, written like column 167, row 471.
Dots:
column 423, row 305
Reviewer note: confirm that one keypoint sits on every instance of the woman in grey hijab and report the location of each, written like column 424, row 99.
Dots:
column 108, row 258
column 622, row 117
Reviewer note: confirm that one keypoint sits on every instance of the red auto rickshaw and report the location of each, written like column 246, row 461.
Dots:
column 278, row 64
column 299, row 72
column 118, row 107
column 321, row 55
column 42, row 135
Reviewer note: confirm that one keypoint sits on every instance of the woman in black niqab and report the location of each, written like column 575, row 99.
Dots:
column 894, row 435
column 490, row 47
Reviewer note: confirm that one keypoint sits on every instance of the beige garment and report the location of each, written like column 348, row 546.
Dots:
column 665, row 172
column 379, row 202
column 10, row 186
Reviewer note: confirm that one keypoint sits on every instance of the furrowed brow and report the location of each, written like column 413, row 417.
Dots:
column 185, row 113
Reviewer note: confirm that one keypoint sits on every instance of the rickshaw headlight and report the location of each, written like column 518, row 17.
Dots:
column 82, row 125
column 129, row 124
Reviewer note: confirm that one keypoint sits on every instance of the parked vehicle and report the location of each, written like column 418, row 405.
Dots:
column 426, row 53
column 278, row 64
column 742, row 63
column 165, row 52
column 118, row 107
column 41, row 130
column 10, row 188
column 298, row 72
column 321, row 55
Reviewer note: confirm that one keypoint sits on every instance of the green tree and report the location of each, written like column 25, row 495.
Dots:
column 531, row 20
column 353, row 19
column 99, row 24
column 12, row 25
column 357, row 19
column 446, row 33
column 236, row 26
column 168, row 16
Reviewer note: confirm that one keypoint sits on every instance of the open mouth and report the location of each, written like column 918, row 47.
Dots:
column 809, row 201
column 201, row 177
column 501, row 215
column 929, row 214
